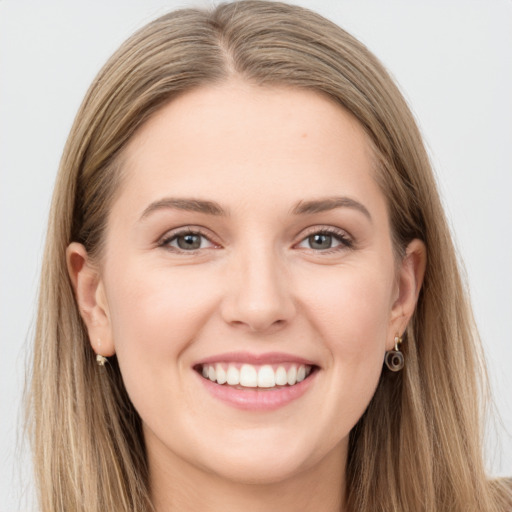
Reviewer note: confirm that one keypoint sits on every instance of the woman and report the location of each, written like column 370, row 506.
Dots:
column 250, row 298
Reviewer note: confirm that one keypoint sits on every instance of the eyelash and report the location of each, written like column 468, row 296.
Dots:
column 183, row 232
column 338, row 234
column 341, row 236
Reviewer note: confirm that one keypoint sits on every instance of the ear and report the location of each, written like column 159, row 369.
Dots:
column 91, row 298
column 409, row 281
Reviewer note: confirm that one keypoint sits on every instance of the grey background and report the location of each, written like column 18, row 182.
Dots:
column 452, row 60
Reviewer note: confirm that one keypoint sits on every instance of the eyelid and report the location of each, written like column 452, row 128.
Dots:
column 165, row 239
column 345, row 239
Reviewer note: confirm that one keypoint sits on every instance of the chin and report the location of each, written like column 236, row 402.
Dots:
column 265, row 458
column 260, row 470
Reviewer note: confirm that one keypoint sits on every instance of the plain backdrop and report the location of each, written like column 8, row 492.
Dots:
column 452, row 60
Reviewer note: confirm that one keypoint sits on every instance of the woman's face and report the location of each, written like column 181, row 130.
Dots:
column 249, row 243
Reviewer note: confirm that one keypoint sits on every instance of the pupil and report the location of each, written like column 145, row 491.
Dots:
column 320, row 241
column 189, row 242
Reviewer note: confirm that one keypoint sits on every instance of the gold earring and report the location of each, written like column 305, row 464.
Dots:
column 394, row 358
column 101, row 360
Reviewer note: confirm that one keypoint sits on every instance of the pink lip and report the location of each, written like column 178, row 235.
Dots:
column 254, row 359
column 257, row 399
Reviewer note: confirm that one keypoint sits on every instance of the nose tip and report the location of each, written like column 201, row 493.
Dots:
column 259, row 318
column 259, row 298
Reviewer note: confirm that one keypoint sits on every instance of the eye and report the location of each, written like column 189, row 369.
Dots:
column 326, row 240
column 186, row 241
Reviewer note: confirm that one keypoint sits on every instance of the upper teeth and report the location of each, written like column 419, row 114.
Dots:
column 248, row 375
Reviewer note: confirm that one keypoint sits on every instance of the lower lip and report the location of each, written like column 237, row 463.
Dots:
column 257, row 399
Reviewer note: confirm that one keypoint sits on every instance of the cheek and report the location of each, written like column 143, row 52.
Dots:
column 350, row 316
column 157, row 312
column 352, row 313
column 356, row 304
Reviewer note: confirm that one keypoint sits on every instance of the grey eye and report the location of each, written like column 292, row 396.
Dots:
column 186, row 240
column 324, row 240
column 320, row 241
column 189, row 242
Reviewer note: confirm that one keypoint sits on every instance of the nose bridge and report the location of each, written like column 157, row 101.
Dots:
column 259, row 295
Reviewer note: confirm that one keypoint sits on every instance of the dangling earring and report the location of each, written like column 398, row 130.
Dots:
column 394, row 358
column 100, row 360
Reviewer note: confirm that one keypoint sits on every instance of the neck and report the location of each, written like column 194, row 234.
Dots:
column 178, row 486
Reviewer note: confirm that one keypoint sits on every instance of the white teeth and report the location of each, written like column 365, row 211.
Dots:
column 248, row 376
column 221, row 374
column 281, row 377
column 233, row 376
column 266, row 377
column 251, row 376
column 292, row 375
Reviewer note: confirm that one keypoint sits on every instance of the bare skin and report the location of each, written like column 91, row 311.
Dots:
column 175, row 490
column 249, row 222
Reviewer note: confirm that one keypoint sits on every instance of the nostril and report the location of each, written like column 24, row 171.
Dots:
column 258, row 304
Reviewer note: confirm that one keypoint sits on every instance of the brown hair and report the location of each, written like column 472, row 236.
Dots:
column 418, row 445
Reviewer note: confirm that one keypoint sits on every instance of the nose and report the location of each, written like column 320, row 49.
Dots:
column 258, row 294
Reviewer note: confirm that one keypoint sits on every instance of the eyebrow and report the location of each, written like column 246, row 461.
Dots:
column 213, row 208
column 329, row 203
column 190, row 205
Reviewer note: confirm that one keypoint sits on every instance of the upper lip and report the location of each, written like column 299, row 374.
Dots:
column 255, row 359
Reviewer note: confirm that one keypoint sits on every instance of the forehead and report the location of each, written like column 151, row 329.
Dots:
column 233, row 141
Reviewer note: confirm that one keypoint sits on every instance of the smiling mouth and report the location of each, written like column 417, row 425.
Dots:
column 248, row 376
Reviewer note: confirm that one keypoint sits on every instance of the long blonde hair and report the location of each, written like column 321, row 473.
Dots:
column 418, row 445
